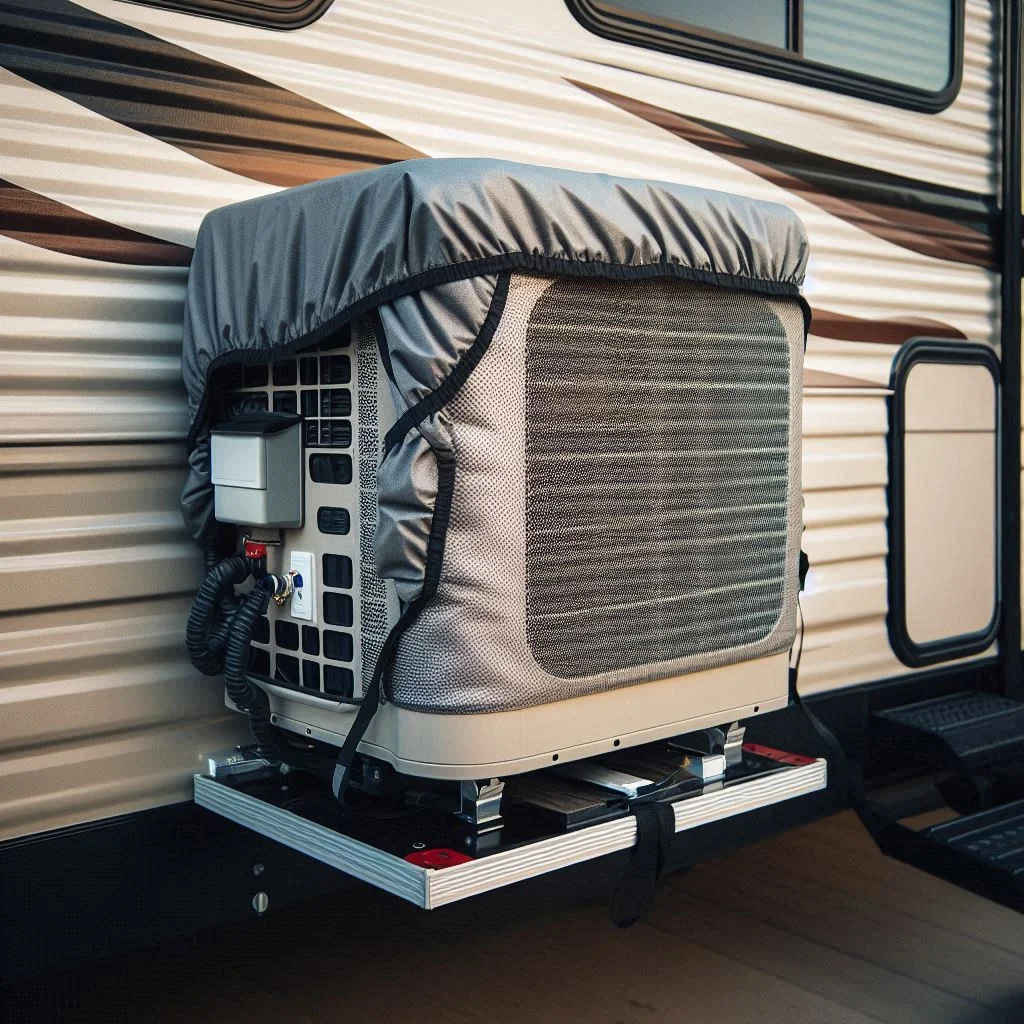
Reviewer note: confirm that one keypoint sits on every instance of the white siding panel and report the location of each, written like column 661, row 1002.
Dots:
column 89, row 351
column 100, row 711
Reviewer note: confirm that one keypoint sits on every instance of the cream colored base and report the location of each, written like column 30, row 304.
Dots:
column 511, row 742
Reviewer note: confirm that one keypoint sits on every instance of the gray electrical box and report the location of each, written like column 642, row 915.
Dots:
column 256, row 469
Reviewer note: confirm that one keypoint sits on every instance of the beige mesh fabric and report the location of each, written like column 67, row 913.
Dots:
column 626, row 497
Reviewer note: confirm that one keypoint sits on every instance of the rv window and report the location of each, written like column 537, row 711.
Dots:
column 268, row 13
column 764, row 22
column 910, row 43
column 905, row 52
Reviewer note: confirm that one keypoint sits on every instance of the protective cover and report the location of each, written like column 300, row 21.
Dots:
column 591, row 475
column 604, row 491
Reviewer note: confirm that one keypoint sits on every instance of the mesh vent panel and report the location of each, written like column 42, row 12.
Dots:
column 657, row 447
column 373, row 616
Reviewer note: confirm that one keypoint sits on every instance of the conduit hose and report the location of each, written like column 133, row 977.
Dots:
column 218, row 636
column 210, row 618
column 244, row 695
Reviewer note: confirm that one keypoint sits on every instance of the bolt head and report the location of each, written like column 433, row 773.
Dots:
column 260, row 902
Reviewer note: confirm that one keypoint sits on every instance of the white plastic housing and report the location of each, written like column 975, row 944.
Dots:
column 256, row 469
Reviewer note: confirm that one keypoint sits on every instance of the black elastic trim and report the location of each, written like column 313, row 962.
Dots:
column 431, row 580
column 484, row 266
column 381, row 337
column 927, row 350
column 452, row 384
column 439, row 524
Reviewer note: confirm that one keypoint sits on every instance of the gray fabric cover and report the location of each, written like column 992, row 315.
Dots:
column 425, row 335
column 270, row 272
column 284, row 270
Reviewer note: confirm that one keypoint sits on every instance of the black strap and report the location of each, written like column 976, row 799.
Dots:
column 370, row 702
column 347, row 754
column 634, row 896
column 852, row 789
column 432, row 577
column 437, row 399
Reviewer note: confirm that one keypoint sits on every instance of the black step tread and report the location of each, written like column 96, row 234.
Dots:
column 995, row 837
column 940, row 714
column 974, row 729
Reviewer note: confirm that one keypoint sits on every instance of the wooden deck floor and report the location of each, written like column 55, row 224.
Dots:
column 811, row 926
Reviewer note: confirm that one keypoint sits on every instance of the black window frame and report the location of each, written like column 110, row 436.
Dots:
column 905, row 647
column 604, row 18
column 262, row 13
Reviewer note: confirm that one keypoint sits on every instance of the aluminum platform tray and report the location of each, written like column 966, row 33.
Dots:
column 381, row 860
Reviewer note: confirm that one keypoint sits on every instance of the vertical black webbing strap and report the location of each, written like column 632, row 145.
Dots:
column 852, row 785
column 376, row 692
column 634, row 896
column 367, row 709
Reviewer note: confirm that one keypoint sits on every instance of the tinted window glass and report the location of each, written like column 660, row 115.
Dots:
column 900, row 51
column 909, row 42
column 273, row 13
column 763, row 21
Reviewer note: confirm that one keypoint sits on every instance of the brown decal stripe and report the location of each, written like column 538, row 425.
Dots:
column 895, row 331
column 945, row 223
column 211, row 110
column 39, row 220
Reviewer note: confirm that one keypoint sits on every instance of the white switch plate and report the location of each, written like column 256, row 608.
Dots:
column 302, row 604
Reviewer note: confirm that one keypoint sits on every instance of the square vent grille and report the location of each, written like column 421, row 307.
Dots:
column 658, row 473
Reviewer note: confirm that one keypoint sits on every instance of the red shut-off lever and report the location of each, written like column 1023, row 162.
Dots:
column 255, row 549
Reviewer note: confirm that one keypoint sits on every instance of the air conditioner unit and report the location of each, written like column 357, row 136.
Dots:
column 541, row 434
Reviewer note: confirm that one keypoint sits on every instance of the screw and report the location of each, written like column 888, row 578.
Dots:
column 286, row 769
column 260, row 902
column 257, row 869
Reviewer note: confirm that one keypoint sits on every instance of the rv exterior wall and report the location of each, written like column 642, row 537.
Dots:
column 102, row 714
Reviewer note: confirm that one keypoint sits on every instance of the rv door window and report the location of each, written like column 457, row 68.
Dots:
column 905, row 52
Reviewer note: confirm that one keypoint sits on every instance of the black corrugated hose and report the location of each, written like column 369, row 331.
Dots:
column 211, row 614
column 244, row 695
column 218, row 636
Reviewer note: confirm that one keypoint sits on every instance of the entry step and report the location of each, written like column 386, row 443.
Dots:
column 425, row 856
column 967, row 731
column 982, row 852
